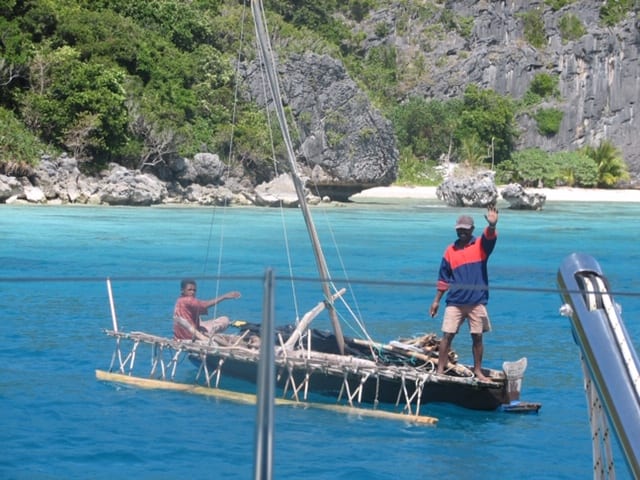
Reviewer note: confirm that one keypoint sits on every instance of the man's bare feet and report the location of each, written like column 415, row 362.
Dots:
column 480, row 377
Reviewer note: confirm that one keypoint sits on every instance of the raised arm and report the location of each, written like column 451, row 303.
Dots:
column 226, row 296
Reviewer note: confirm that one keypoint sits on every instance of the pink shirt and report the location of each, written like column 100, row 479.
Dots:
column 189, row 308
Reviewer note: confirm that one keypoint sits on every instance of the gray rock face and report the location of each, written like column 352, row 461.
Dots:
column 598, row 73
column 126, row 187
column 279, row 191
column 474, row 191
column 60, row 182
column 10, row 187
column 61, row 179
column 203, row 169
column 519, row 199
column 346, row 144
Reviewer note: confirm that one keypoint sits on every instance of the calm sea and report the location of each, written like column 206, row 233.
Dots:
column 59, row 422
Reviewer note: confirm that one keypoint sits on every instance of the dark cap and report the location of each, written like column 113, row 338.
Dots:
column 464, row 221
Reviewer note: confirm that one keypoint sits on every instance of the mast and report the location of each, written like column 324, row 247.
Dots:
column 267, row 57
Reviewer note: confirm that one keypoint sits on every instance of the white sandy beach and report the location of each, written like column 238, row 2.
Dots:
column 562, row 194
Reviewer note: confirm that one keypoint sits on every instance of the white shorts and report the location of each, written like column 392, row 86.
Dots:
column 455, row 315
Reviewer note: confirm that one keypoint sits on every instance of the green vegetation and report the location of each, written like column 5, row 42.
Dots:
column 576, row 169
column 530, row 168
column 451, row 21
column 534, row 31
column 571, row 28
column 543, row 86
column 610, row 166
column 17, row 143
column 141, row 83
column 558, row 4
column 426, row 128
column 535, row 168
column 491, row 118
column 136, row 82
column 472, row 152
column 478, row 128
column 614, row 11
column 414, row 171
column 378, row 72
column 585, row 168
column 548, row 121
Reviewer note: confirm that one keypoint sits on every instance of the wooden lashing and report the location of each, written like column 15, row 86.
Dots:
column 403, row 393
column 204, row 370
column 157, row 359
column 126, row 364
column 291, row 382
column 347, row 389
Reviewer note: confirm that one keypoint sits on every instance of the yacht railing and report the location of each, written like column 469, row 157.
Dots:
column 609, row 361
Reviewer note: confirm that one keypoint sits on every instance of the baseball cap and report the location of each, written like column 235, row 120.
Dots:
column 464, row 221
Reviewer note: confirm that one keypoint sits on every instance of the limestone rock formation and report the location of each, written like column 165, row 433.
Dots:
column 346, row 144
column 519, row 199
column 478, row 190
column 10, row 187
column 597, row 72
column 126, row 187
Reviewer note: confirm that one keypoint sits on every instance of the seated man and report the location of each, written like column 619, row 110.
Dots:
column 186, row 314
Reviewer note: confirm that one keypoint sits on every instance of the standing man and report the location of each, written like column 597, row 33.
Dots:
column 186, row 314
column 463, row 274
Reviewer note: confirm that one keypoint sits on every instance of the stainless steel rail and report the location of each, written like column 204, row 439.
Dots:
column 610, row 362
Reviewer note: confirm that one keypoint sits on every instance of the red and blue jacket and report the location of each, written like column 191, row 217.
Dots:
column 463, row 270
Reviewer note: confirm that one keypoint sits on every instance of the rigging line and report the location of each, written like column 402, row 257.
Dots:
column 219, row 265
column 357, row 319
column 236, row 87
column 231, row 162
column 262, row 65
column 357, row 315
column 270, row 67
column 289, row 263
column 237, row 278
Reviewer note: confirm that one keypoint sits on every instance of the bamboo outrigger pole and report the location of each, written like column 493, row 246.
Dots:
column 266, row 52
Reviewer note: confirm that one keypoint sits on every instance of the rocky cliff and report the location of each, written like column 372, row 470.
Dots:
column 599, row 72
column 346, row 145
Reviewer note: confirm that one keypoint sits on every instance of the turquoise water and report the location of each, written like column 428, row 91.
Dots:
column 59, row 422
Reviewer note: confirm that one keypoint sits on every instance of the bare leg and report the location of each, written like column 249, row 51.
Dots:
column 443, row 351
column 216, row 325
column 478, row 350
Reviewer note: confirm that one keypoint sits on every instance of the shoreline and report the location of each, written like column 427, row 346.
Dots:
column 560, row 194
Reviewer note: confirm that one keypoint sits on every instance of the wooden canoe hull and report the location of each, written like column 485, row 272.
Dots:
column 470, row 394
